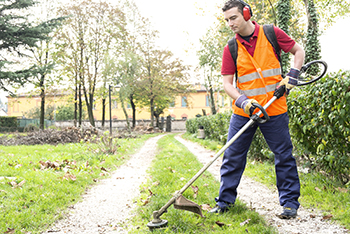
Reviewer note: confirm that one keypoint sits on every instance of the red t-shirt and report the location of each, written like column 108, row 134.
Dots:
column 285, row 42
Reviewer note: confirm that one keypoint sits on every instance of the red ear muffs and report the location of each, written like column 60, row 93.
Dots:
column 246, row 13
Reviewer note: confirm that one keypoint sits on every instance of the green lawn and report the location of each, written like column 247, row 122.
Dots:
column 34, row 194
column 172, row 168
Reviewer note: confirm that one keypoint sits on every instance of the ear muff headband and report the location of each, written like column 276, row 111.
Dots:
column 247, row 10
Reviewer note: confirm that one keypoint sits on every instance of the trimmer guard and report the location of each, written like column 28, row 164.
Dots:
column 181, row 203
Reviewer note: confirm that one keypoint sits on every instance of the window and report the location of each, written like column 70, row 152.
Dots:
column 207, row 100
column 184, row 102
column 222, row 101
column 172, row 104
column 114, row 104
column 128, row 106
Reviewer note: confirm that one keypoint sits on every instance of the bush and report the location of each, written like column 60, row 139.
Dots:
column 6, row 121
column 320, row 124
column 31, row 128
column 215, row 126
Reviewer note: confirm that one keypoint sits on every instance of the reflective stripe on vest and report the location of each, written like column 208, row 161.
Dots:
column 258, row 76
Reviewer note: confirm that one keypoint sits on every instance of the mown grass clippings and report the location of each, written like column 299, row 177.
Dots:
column 172, row 168
column 317, row 191
column 38, row 183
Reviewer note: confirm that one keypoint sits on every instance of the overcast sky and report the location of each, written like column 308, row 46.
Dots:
column 181, row 23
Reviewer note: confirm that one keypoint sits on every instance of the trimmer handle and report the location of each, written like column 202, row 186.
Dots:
column 256, row 117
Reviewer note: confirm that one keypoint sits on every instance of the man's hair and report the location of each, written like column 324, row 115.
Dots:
column 233, row 3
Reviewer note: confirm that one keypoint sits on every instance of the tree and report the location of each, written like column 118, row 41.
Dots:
column 66, row 112
column 93, row 28
column 42, row 58
column 283, row 22
column 210, row 56
column 313, row 47
column 17, row 35
column 162, row 78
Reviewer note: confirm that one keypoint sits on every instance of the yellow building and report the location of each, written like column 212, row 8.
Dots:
column 197, row 103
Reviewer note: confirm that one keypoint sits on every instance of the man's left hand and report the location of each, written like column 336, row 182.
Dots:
column 291, row 80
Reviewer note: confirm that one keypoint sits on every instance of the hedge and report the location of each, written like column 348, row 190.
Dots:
column 320, row 124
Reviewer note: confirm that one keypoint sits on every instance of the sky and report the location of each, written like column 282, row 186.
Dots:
column 181, row 24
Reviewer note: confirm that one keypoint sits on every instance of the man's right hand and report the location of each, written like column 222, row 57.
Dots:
column 246, row 104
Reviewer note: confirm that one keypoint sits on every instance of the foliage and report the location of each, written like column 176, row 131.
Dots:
column 283, row 22
column 66, row 112
column 34, row 113
column 17, row 36
column 31, row 128
column 8, row 121
column 320, row 124
column 162, row 78
column 312, row 48
column 174, row 164
column 106, row 145
column 215, row 126
column 94, row 30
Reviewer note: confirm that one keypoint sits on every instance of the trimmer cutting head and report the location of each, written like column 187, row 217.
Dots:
column 156, row 224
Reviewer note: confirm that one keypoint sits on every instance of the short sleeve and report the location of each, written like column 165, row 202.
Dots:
column 227, row 67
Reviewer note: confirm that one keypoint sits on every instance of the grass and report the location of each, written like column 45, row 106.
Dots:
column 173, row 167
column 317, row 191
column 33, row 196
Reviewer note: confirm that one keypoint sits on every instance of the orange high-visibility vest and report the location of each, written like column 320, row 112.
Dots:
column 258, row 76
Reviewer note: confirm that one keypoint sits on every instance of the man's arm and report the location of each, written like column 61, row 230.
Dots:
column 229, row 88
column 299, row 56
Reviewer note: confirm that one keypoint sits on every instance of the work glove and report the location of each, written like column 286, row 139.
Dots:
column 246, row 104
column 290, row 80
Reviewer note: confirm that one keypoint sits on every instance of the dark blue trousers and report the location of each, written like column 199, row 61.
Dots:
column 276, row 134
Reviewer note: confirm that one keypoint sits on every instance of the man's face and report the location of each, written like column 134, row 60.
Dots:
column 235, row 20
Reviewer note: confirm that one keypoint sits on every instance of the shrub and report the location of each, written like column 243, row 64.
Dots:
column 215, row 126
column 320, row 124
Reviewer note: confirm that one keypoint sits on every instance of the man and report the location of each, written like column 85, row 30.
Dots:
column 258, row 75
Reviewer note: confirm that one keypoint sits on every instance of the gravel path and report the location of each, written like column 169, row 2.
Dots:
column 265, row 201
column 107, row 206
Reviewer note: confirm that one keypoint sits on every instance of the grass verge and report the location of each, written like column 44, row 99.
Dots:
column 173, row 167
column 317, row 191
column 38, row 183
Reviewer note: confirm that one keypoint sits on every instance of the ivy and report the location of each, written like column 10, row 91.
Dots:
column 320, row 125
column 283, row 22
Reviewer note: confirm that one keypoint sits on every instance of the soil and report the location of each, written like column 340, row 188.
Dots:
column 106, row 207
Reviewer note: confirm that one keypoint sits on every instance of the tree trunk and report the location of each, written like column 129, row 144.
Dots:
column 124, row 110
column 104, row 112
column 80, row 106
column 133, row 106
column 75, row 104
column 152, row 112
column 42, row 104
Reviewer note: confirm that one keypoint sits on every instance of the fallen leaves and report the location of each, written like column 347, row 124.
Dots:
column 206, row 207
column 69, row 176
column 195, row 191
column 326, row 217
column 245, row 222
column 15, row 185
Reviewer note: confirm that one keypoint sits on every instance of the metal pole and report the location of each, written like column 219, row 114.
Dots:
column 110, row 110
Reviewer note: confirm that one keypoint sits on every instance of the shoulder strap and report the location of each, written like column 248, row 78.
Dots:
column 271, row 37
column 232, row 45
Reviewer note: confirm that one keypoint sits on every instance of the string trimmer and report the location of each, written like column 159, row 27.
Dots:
column 309, row 73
